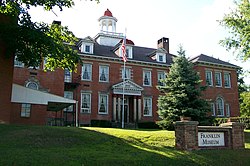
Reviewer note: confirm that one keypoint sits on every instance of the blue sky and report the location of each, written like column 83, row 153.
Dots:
column 192, row 23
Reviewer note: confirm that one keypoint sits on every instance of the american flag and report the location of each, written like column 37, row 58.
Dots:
column 123, row 47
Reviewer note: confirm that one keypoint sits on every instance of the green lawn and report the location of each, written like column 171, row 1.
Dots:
column 42, row 145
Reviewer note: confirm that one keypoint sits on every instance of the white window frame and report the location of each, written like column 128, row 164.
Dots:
column 220, row 107
column 104, row 68
column 227, row 78
column 34, row 83
column 86, row 110
column 67, row 75
column 90, row 45
column 105, row 104
column 89, row 67
column 128, row 73
column 228, row 111
column 209, row 81
column 68, row 95
column 25, row 110
column 145, row 72
column 218, row 79
column 159, row 80
column 163, row 57
column 147, row 101
column 213, row 109
column 18, row 63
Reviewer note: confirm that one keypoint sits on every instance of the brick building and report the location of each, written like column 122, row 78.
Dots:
column 97, row 86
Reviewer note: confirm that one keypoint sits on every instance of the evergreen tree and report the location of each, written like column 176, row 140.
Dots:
column 182, row 93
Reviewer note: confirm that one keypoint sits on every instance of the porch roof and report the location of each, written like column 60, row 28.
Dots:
column 21, row 94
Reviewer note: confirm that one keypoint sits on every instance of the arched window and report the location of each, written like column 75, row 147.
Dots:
column 220, row 107
column 32, row 85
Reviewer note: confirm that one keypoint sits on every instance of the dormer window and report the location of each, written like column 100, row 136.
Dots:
column 87, row 48
column 129, row 52
column 160, row 57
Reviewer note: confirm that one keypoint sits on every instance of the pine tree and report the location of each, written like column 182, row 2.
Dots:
column 182, row 93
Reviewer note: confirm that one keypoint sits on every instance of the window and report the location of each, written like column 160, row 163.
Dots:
column 67, row 76
column 87, row 48
column 25, row 110
column 85, row 103
column 218, row 79
column 227, row 80
column 209, row 78
column 86, row 72
column 18, row 63
column 147, row 78
column 129, row 52
column 160, row 77
column 160, row 57
column 68, row 95
column 147, row 106
column 227, row 110
column 32, row 85
column 103, row 73
column 213, row 109
column 103, row 104
column 220, row 107
column 127, row 74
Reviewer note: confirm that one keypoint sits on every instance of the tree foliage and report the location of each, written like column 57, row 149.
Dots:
column 32, row 41
column 245, row 104
column 182, row 93
column 238, row 24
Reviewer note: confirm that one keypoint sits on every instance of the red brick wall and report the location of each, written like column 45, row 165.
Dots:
column 229, row 95
column 6, row 74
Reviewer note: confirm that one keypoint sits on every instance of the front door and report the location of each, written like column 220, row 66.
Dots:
column 126, row 110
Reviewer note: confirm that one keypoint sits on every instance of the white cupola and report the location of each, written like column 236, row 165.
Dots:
column 107, row 22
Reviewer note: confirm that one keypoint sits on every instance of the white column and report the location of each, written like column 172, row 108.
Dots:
column 135, row 109
column 119, row 109
column 113, row 26
column 139, row 109
column 114, row 108
column 107, row 25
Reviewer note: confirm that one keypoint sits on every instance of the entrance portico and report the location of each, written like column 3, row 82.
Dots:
column 132, row 102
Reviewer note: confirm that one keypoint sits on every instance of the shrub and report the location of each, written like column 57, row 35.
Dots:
column 166, row 124
column 100, row 123
column 148, row 125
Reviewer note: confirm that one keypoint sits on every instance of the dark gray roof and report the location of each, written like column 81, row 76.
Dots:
column 208, row 59
column 141, row 54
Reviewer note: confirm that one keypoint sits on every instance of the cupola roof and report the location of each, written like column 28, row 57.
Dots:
column 108, row 13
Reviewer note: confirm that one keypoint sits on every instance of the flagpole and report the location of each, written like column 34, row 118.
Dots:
column 123, row 87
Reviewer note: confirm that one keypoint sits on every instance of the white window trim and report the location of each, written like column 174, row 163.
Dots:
column 66, row 77
column 163, row 57
column 69, row 108
column 228, row 111
column 32, row 82
column 164, row 76
column 151, row 108
column 90, row 79
column 223, row 109
column 99, row 103
column 211, row 74
column 18, row 63
column 106, row 74
column 229, row 80
column 150, row 77
column 24, row 114
column 129, row 72
column 89, row 103
column 213, row 111
column 220, row 79
column 91, row 47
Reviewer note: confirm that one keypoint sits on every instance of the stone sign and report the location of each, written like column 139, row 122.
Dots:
column 211, row 139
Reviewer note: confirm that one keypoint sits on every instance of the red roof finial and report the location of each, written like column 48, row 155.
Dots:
column 108, row 13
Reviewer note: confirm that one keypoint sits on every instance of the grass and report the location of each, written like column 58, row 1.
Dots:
column 43, row 145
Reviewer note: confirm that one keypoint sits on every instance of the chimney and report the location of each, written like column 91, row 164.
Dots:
column 56, row 22
column 163, row 43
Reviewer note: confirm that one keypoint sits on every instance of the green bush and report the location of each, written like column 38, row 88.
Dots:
column 148, row 125
column 244, row 120
column 100, row 123
column 166, row 124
